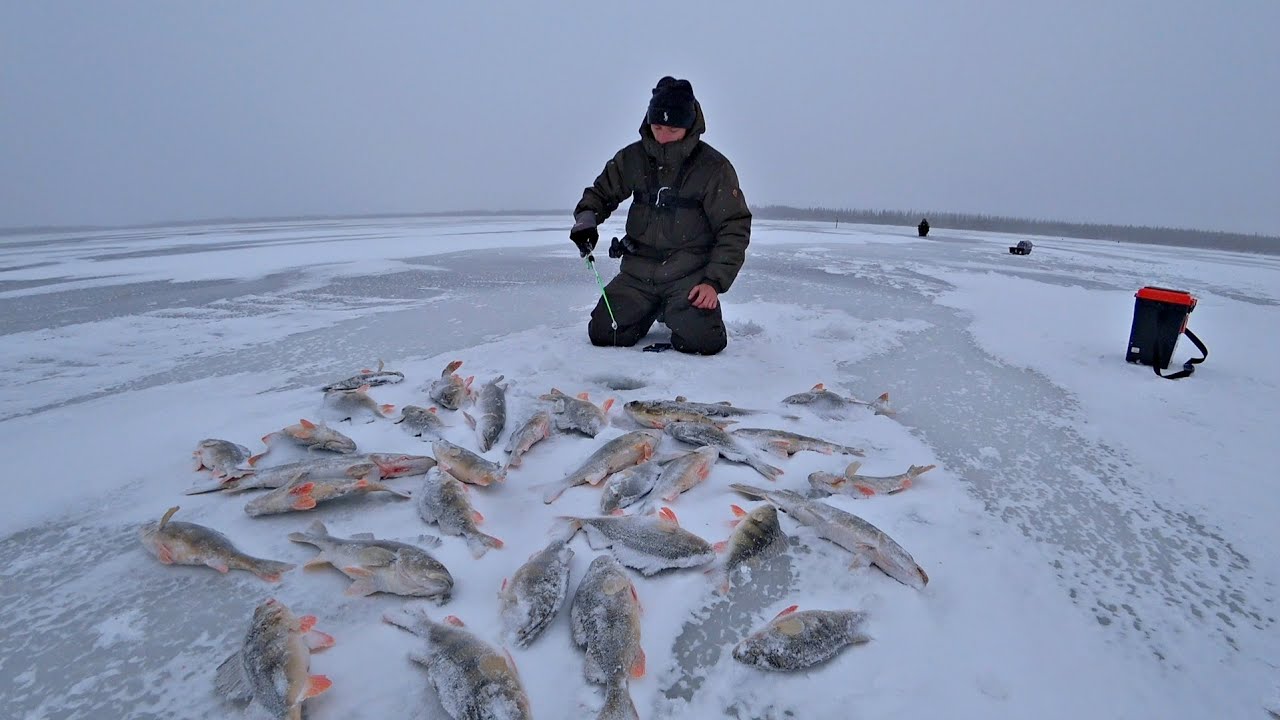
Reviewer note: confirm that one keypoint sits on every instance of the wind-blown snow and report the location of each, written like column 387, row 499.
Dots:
column 1099, row 542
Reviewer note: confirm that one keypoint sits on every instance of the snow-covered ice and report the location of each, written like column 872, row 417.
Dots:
column 1100, row 543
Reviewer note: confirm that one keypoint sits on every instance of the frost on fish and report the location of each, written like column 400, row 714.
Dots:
column 450, row 391
column 466, row 465
column 864, row 540
column 799, row 640
column 534, row 430
column 444, row 502
column 224, row 459
column 472, row 679
column 577, row 414
column 181, row 543
column 703, row 434
column 681, row 474
column 649, row 543
column 311, row 436
column 605, row 623
column 531, row 598
column 785, row 444
column 830, row 404
column 368, row 377
column 621, row 452
column 491, row 406
column 271, row 668
column 755, row 534
column 628, row 486
column 421, row 422
column 379, row 565
column 354, row 405
column 305, row 493
column 861, row 486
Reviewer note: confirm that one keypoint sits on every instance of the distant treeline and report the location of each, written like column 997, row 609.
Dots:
column 943, row 221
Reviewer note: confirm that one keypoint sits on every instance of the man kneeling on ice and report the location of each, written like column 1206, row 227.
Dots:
column 687, row 229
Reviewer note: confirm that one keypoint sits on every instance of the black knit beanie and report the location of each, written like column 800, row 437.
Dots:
column 672, row 104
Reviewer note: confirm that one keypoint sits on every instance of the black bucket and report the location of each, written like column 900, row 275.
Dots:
column 1159, row 318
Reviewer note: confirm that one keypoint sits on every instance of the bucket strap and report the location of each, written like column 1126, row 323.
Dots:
column 1189, row 366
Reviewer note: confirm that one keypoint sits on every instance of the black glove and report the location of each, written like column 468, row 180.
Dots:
column 584, row 233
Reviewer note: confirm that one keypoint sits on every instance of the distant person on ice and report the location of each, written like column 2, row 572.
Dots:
column 687, row 229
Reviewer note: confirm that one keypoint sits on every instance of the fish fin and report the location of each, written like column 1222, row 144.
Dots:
column 720, row 546
column 451, row 368
column 738, row 511
column 565, row 528
column 231, row 681
column 253, row 459
column 316, row 684
column 218, row 565
column 363, row 389
column 307, row 424
column 637, row 667
column 852, row 469
column 316, row 561
column 317, row 640
column 363, row 586
column 168, row 514
column 471, row 422
column 918, row 470
column 454, row 620
column 607, row 404
column 164, row 554
column 617, row 511
column 786, row 611
column 387, row 409
column 306, row 623
column 584, row 396
column 363, row 536
column 503, row 587
column 304, row 502
column 477, row 517
column 302, row 488
column 864, row 489
column 668, row 515
column 266, row 440
column 818, row 388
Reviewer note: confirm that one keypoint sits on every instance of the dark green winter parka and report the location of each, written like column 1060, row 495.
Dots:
column 688, row 214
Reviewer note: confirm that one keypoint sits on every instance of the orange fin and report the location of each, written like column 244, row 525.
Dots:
column 454, row 620
column 738, row 511
column 317, row 640
column 303, row 489
column 786, row 611
column 317, row 684
column 304, row 502
column 306, row 622
column 637, row 668
column 164, row 554
column 607, row 404
column 253, row 459
column 720, row 546
column 667, row 514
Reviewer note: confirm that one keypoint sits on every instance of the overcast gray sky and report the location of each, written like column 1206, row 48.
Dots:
column 1164, row 112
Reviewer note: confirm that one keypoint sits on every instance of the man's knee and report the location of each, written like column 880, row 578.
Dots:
column 602, row 334
column 700, row 338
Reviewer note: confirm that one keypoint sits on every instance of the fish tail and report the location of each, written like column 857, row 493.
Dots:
column 269, row 570
column 749, row 490
column 617, row 701
column 232, row 682
column 565, row 528
column 769, row 471
column 480, row 543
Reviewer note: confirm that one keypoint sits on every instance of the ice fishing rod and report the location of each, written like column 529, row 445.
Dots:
column 591, row 263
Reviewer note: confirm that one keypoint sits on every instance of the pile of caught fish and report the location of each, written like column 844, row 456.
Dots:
column 637, row 480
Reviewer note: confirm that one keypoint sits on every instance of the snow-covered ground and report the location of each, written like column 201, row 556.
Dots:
column 1100, row 543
